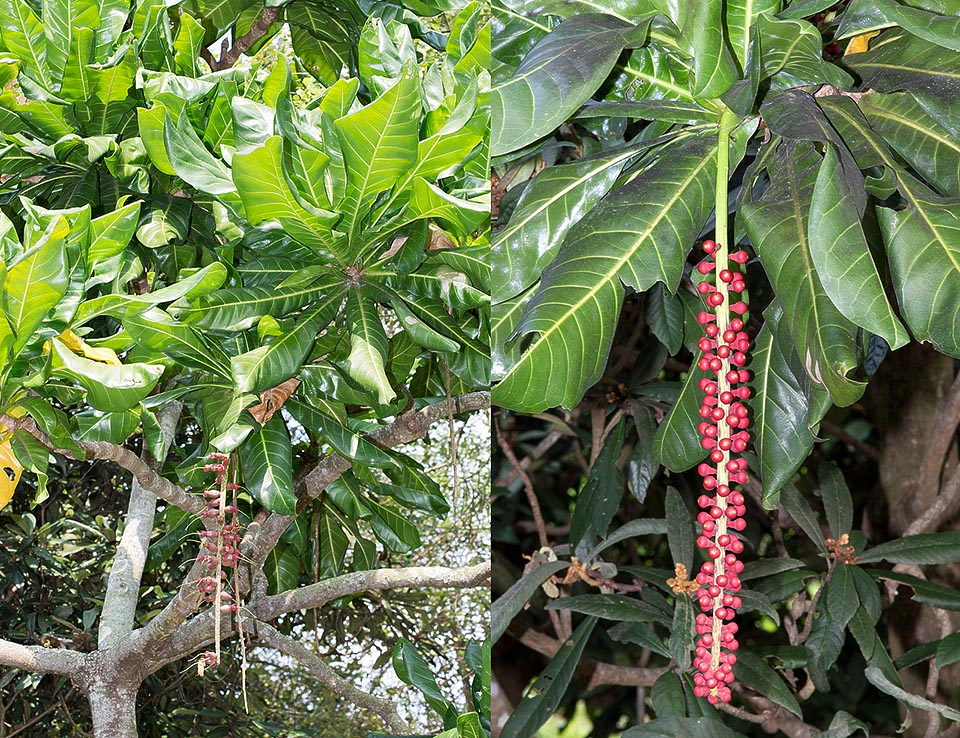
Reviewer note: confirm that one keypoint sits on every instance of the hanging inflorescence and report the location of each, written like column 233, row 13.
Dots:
column 219, row 547
column 724, row 435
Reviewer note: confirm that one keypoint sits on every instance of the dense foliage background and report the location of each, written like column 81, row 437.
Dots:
column 841, row 181
column 258, row 229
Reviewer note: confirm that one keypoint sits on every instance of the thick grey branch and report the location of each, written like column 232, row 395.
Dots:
column 330, row 679
column 420, row 577
column 123, row 584
column 258, row 30
column 40, row 659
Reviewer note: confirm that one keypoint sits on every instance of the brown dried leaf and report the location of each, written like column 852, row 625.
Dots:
column 272, row 400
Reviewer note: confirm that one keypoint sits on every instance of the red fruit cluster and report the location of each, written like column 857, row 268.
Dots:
column 724, row 435
column 219, row 544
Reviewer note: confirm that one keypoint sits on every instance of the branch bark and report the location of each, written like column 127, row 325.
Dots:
column 123, row 584
column 247, row 41
column 40, row 659
column 330, row 679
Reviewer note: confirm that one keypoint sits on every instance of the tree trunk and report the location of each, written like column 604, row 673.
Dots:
column 113, row 706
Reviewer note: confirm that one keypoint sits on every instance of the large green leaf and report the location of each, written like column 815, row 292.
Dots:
column 558, row 75
column 943, row 30
column 638, row 236
column 109, row 387
column 23, row 35
column 241, row 307
column 368, row 346
column 777, row 225
column 110, row 233
column 266, row 459
column 837, row 502
column 791, row 55
column 600, row 496
column 671, row 727
column 922, row 244
column 413, row 670
column 549, row 207
column 267, row 194
column 754, row 672
column 379, row 144
column 677, row 443
column 843, row 259
column 154, row 329
column 511, row 602
column 462, row 217
column 612, row 607
column 393, row 529
column 917, row 137
column 274, row 362
column 547, row 691
column 905, row 62
column 924, row 548
column 881, row 681
column 62, row 19
column 191, row 161
column 714, row 69
column 36, row 281
column 741, row 16
column 282, row 568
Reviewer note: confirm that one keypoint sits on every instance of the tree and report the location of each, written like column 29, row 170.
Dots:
column 246, row 289
column 810, row 149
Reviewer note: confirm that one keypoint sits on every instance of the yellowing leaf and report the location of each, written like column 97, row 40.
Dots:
column 8, row 465
column 859, row 44
column 76, row 344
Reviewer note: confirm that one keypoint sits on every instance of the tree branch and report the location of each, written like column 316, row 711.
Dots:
column 419, row 577
column 247, row 41
column 330, row 679
column 944, row 427
column 40, row 659
column 123, row 584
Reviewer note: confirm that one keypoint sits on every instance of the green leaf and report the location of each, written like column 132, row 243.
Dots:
column 929, row 593
column 791, row 54
column 413, row 670
column 868, row 593
column 836, row 500
column 111, row 233
column 781, row 406
column 948, row 652
column 677, row 443
column 282, row 568
column 332, row 544
column 109, row 427
column 767, row 567
column 664, row 314
column 878, row 679
column 395, row 531
column 558, row 75
column 679, row 529
column 639, row 235
column 923, row 548
column 156, row 330
column 23, row 35
column 266, row 459
column 672, row 727
column 917, row 137
column 421, row 333
column 110, row 388
column 639, row 527
column 714, row 69
column 611, row 607
column 600, row 495
column 277, row 361
column 543, row 698
column 843, row 260
column 842, row 599
column 641, row 466
column 379, row 144
column 756, row 674
column 667, row 696
column 741, row 16
column 682, row 631
column 427, row 201
column 36, row 281
column 511, row 602
column 639, row 634
column 191, row 161
column 268, row 195
column 238, row 308
column 943, row 30
column 777, row 226
column 368, row 346
column 800, row 510
column 844, row 725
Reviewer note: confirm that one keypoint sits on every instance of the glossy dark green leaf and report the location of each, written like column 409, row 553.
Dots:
column 767, row 567
column 800, row 510
column 549, row 207
column 777, row 226
column 675, row 111
column 714, row 69
column 664, row 314
column 844, row 262
column 679, row 529
column 823, row 646
column 881, row 681
column 923, row 548
column 836, row 500
column 929, row 593
column 917, row 137
column 942, row 30
column 368, row 346
column 677, row 443
column 612, row 607
column 755, row 673
column 333, row 544
column 543, row 698
column 791, row 55
column 154, row 329
column 780, row 405
column 842, row 600
column 511, row 602
column 282, row 568
column 413, row 670
column 639, row 634
column 671, row 727
column 599, row 497
column 266, row 460
column 558, row 75
column 393, row 528
column 110, row 427
column 757, row 602
column 868, row 592
column 633, row 529
column 667, row 696
column 741, row 16
column 682, row 631
column 642, row 467
column 639, row 235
